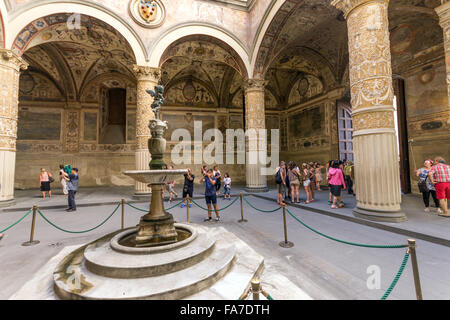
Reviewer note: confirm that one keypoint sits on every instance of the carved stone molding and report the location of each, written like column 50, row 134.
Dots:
column 346, row 6
column 145, row 73
column 13, row 60
column 255, row 85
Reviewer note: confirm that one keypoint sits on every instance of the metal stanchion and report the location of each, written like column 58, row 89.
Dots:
column 285, row 243
column 242, row 210
column 256, row 288
column 415, row 267
column 33, row 223
column 187, row 208
column 123, row 214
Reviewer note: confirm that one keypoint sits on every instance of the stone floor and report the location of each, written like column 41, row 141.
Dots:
column 324, row 269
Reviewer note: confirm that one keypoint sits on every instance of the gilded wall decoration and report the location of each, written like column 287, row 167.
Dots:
column 39, row 124
column 72, row 135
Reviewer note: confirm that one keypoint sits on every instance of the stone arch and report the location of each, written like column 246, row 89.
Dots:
column 24, row 19
column 199, row 29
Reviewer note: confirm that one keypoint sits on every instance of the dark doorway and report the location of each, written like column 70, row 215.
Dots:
column 405, row 178
column 114, row 130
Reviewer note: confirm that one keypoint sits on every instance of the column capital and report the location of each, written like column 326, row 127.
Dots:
column 146, row 73
column 12, row 60
column 443, row 11
column 254, row 85
column 347, row 6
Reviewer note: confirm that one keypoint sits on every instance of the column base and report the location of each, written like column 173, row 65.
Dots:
column 7, row 203
column 380, row 216
column 256, row 189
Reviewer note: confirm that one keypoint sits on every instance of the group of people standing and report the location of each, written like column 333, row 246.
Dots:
column 290, row 178
column 68, row 178
column 434, row 180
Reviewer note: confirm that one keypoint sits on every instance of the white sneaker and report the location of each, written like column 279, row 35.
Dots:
column 439, row 211
column 427, row 210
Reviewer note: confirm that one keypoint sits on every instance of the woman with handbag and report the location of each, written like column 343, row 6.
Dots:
column 45, row 178
column 426, row 187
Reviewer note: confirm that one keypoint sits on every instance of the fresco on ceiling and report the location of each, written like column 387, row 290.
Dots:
column 35, row 86
column 238, row 100
column 189, row 93
column 270, row 102
column 90, row 126
column 305, row 88
column 38, row 124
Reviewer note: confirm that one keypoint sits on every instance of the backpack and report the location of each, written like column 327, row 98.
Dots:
column 422, row 184
column 278, row 179
column 68, row 169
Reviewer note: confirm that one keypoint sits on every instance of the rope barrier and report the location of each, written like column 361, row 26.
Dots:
column 144, row 210
column 26, row 214
column 267, row 211
column 397, row 276
column 84, row 231
column 206, row 209
column 347, row 242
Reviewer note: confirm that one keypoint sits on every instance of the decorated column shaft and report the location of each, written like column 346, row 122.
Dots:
column 377, row 176
column 444, row 20
column 147, row 78
column 10, row 67
column 254, row 120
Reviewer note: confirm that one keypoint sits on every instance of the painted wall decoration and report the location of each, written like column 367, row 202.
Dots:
column 131, row 126
column 90, row 129
column 190, row 93
column 402, row 38
column 186, row 121
column 35, row 86
column 307, row 87
column 236, row 121
column 39, row 124
column 307, row 128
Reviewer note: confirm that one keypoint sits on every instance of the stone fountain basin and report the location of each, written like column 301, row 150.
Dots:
column 155, row 176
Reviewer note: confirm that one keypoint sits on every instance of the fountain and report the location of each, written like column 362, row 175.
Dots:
column 158, row 259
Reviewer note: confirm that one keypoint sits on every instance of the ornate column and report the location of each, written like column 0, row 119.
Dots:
column 374, row 140
column 147, row 78
column 444, row 20
column 10, row 66
column 254, row 119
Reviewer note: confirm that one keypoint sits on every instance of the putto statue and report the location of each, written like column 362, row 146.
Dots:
column 158, row 101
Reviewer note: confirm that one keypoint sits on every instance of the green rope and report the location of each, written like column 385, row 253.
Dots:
column 269, row 297
column 347, row 242
column 143, row 210
column 260, row 209
column 68, row 231
column 175, row 205
column 26, row 214
column 206, row 209
column 397, row 276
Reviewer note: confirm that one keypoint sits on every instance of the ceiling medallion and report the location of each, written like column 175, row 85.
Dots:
column 147, row 13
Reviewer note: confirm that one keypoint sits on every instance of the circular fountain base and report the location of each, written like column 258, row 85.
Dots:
column 109, row 268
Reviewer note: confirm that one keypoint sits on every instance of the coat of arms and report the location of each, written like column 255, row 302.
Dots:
column 148, row 9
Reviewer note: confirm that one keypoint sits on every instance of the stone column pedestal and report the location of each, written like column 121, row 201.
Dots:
column 377, row 175
column 10, row 66
column 254, row 119
column 147, row 78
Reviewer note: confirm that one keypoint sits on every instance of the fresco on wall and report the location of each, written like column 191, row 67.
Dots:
column 305, row 88
column 186, row 121
column 90, row 126
column 189, row 93
column 34, row 86
column 307, row 123
column 38, row 125
column 236, row 121
column 131, row 126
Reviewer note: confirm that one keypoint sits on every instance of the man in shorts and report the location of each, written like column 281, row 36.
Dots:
column 210, row 194
column 440, row 176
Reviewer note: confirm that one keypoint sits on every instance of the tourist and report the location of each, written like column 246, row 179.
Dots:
column 312, row 179
column 306, row 182
column 330, row 195
column 45, row 178
column 63, row 181
column 204, row 171
column 319, row 178
column 227, row 187
column 337, row 182
column 210, row 194
column 348, row 167
column 440, row 176
column 294, row 180
column 217, row 175
column 426, row 187
column 188, row 188
column 170, row 188
column 280, row 180
column 72, row 187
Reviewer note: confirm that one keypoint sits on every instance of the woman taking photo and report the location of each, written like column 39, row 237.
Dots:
column 44, row 181
column 426, row 187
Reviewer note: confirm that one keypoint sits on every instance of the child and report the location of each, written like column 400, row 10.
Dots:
column 188, row 188
column 72, row 187
column 170, row 187
column 227, row 187
column 210, row 194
